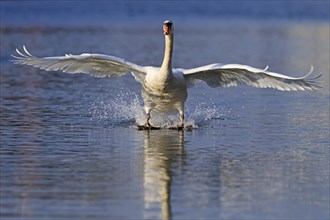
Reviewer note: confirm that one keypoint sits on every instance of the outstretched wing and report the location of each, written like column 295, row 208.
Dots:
column 229, row 75
column 97, row 65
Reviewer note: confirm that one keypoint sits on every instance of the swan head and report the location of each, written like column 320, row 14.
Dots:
column 168, row 27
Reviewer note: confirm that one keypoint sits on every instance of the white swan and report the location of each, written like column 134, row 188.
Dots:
column 164, row 89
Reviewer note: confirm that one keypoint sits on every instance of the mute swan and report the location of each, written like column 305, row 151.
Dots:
column 164, row 89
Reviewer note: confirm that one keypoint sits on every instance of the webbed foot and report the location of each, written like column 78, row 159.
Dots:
column 147, row 127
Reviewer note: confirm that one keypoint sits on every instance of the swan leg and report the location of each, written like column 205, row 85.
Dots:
column 181, row 120
column 147, row 125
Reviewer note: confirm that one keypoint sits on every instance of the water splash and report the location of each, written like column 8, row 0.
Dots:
column 126, row 109
column 202, row 113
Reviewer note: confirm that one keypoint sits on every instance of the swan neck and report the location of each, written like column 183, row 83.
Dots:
column 167, row 61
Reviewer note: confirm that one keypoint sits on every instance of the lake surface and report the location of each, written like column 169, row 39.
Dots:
column 70, row 148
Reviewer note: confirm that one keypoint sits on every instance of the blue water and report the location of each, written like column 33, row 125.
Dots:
column 65, row 13
column 69, row 145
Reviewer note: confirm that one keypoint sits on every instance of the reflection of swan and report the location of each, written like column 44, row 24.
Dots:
column 159, row 150
column 165, row 89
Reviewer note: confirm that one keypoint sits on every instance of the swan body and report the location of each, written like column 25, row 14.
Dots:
column 164, row 89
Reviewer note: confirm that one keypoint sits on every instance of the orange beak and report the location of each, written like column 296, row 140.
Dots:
column 167, row 29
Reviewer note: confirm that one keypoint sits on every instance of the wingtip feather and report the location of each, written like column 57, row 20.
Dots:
column 266, row 68
column 26, row 51
column 20, row 53
column 310, row 71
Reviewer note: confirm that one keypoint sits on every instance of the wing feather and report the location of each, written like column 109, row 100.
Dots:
column 97, row 65
column 229, row 75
